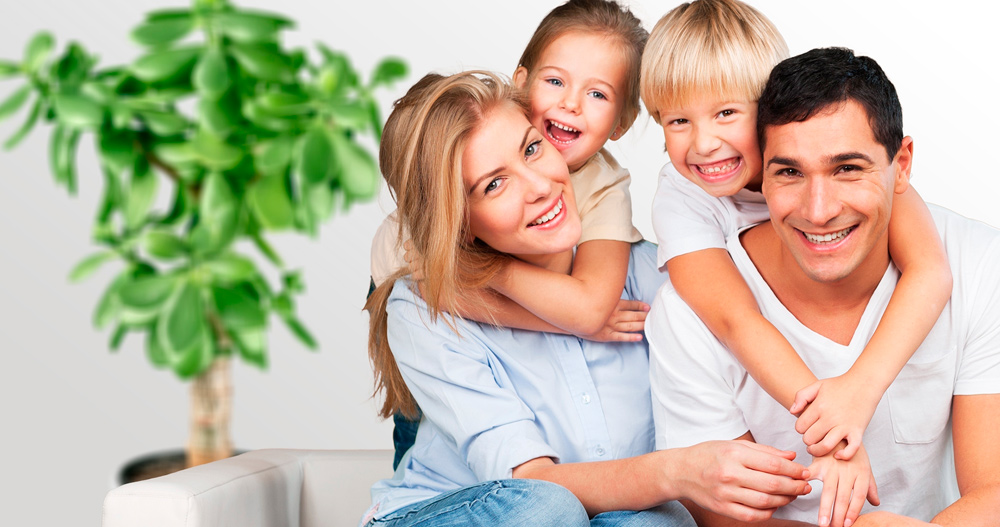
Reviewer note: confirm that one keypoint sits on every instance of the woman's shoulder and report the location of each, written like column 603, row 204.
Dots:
column 644, row 278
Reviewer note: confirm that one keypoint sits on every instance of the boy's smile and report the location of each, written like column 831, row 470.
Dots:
column 576, row 94
column 713, row 143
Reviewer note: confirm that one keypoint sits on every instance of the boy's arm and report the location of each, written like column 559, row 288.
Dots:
column 848, row 402
column 714, row 289
column 579, row 303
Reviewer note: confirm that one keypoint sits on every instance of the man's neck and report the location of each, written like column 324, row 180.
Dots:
column 832, row 309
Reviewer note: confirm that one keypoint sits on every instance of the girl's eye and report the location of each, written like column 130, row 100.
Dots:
column 598, row 95
column 554, row 82
column 533, row 148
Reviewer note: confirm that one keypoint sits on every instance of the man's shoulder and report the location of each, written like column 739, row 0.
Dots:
column 973, row 247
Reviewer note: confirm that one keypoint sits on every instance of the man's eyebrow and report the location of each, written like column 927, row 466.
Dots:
column 781, row 161
column 499, row 169
column 849, row 156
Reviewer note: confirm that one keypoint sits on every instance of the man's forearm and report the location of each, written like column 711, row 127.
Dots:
column 976, row 508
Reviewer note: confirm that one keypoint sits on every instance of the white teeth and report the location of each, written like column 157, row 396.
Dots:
column 715, row 170
column 563, row 127
column 827, row 238
column 545, row 218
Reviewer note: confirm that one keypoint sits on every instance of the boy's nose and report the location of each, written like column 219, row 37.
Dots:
column 706, row 141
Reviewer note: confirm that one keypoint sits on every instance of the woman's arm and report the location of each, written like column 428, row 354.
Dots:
column 843, row 406
column 739, row 479
column 708, row 281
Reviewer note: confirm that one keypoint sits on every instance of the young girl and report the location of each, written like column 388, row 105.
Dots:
column 580, row 71
column 713, row 188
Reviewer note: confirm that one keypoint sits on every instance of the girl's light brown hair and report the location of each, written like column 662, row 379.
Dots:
column 421, row 159
column 601, row 17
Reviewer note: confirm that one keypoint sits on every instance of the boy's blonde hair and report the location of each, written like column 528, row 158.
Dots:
column 421, row 159
column 716, row 48
column 599, row 17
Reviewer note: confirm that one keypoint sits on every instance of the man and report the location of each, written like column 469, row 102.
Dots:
column 828, row 170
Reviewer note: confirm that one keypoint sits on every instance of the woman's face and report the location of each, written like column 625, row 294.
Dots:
column 520, row 198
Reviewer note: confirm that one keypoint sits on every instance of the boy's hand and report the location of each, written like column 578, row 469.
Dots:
column 414, row 261
column 832, row 410
column 624, row 325
column 846, row 485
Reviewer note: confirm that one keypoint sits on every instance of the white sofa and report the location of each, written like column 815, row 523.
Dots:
column 272, row 488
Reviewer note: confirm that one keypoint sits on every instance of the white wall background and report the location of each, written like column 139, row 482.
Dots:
column 72, row 412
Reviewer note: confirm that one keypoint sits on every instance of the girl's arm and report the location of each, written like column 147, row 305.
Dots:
column 842, row 406
column 714, row 289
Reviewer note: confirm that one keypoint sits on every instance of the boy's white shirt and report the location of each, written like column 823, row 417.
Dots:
column 688, row 219
column 603, row 201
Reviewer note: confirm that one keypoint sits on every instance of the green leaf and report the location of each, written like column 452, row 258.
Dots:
column 78, row 111
column 376, row 119
column 38, row 50
column 219, row 116
column 231, row 268
column 9, row 69
column 73, row 67
column 211, row 75
column 164, row 124
column 300, row 331
column 321, row 200
column 147, row 294
column 355, row 115
column 154, row 350
column 109, row 305
column 217, row 197
column 179, row 208
column 182, row 324
column 391, row 69
column 252, row 345
column 163, row 245
column 262, row 62
column 246, row 26
column 90, row 264
column 112, row 198
column 273, row 157
column 238, row 310
column 270, row 202
column 358, row 174
column 166, row 14
column 215, row 153
column 195, row 360
column 25, row 129
column 15, row 101
column 256, row 115
column 62, row 156
column 141, row 194
column 163, row 65
column 293, row 281
column 117, row 151
column 281, row 104
column 175, row 153
column 266, row 249
column 117, row 337
column 315, row 155
column 158, row 32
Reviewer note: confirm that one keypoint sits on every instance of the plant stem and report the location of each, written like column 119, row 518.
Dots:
column 211, row 404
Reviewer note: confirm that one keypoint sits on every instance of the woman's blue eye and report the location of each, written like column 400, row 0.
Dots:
column 532, row 148
column 491, row 186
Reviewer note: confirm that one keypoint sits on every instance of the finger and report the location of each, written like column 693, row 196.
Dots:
column 833, row 438
column 857, row 501
column 826, row 499
column 803, row 397
column 818, row 431
column 628, row 327
column 873, row 493
column 767, row 449
column 845, row 488
column 618, row 336
column 767, row 463
column 408, row 245
column 807, row 418
column 848, row 452
column 633, row 305
column 629, row 316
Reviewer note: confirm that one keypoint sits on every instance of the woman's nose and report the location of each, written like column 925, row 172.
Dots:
column 538, row 186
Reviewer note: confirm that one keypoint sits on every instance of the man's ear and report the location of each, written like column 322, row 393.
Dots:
column 520, row 77
column 903, row 163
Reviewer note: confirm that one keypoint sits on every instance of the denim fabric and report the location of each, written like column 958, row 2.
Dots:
column 404, row 432
column 524, row 503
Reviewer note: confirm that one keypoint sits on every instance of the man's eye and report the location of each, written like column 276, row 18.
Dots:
column 790, row 172
column 850, row 168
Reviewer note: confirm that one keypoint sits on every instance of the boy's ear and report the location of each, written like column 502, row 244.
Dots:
column 520, row 77
column 904, row 163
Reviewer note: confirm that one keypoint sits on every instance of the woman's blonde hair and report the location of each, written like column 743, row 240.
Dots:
column 716, row 48
column 421, row 160
column 600, row 17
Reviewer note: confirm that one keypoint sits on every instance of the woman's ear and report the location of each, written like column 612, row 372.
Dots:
column 520, row 77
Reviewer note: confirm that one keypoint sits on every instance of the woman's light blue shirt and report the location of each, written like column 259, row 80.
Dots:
column 494, row 398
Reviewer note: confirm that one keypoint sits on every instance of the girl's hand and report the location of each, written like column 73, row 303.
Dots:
column 832, row 410
column 741, row 479
column 846, row 485
column 414, row 261
column 624, row 325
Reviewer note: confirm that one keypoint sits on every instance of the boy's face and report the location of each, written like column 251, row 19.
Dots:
column 576, row 94
column 713, row 143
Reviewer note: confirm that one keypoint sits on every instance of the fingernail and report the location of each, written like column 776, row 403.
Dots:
column 823, row 520
column 848, row 522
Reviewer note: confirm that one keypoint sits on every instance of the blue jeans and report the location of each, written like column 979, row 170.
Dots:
column 523, row 503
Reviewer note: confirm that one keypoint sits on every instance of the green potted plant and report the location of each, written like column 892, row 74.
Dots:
column 241, row 138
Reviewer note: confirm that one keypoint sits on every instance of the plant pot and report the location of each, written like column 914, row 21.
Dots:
column 154, row 465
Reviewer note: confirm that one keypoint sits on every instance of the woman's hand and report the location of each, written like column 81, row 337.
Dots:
column 846, row 484
column 832, row 410
column 625, row 323
column 741, row 479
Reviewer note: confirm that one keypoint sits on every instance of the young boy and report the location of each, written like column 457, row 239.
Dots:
column 703, row 70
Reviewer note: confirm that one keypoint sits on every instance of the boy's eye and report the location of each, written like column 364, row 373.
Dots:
column 554, row 82
column 598, row 95
column 727, row 113
column 678, row 121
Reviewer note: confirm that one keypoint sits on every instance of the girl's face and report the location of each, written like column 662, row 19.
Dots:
column 577, row 92
column 519, row 195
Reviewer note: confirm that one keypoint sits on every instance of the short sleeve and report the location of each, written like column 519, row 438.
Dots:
column 685, row 218
column 387, row 253
column 693, row 378
column 462, row 389
column 978, row 272
column 603, row 200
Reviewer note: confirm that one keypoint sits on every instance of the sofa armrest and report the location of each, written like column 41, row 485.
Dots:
column 259, row 488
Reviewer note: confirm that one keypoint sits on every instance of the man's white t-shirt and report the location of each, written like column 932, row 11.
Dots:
column 701, row 392
column 688, row 219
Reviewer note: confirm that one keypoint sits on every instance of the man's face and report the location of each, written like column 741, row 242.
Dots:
column 829, row 186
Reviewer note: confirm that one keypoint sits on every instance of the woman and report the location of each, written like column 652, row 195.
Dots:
column 507, row 413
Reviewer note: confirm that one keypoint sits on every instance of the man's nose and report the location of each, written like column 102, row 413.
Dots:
column 820, row 204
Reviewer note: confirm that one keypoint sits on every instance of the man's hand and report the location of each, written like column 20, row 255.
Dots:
column 625, row 323
column 741, row 479
column 846, row 484
column 888, row 519
column 832, row 410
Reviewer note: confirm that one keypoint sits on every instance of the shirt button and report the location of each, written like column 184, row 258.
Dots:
column 600, row 450
column 585, row 398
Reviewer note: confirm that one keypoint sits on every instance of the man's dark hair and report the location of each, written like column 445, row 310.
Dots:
column 801, row 86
